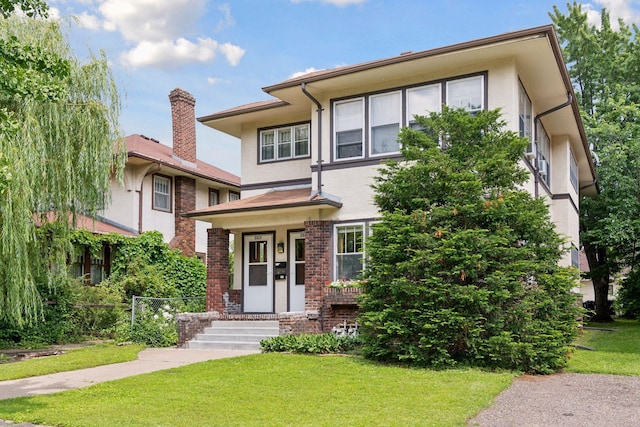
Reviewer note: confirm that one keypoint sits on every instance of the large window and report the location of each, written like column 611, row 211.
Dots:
column 349, row 122
column 92, row 268
column 386, row 112
column 386, row 115
column 525, row 120
column 284, row 143
column 467, row 93
column 349, row 251
column 421, row 101
column 161, row 193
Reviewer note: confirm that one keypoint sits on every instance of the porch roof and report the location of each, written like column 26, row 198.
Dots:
column 272, row 202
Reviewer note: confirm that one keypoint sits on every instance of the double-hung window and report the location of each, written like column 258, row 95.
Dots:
column 349, row 251
column 233, row 196
column 284, row 143
column 214, row 197
column 385, row 117
column 466, row 93
column 161, row 193
column 349, row 125
column 421, row 101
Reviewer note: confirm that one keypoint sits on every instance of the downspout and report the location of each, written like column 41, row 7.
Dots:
column 318, row 142
column 536, row 171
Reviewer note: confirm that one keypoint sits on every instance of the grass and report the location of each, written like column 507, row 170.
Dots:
column 272, row 390
column 80, row 358
column 616, row 352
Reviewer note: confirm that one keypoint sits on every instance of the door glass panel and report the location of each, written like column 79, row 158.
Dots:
column 257, row 275
column 258, row 251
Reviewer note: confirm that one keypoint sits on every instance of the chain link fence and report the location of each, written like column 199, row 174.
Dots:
column 164, row 308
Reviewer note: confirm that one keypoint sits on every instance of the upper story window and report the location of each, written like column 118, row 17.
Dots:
column 573, row 171
column 349, row 125
column 467, row 93
column 386, row 115
column 544, row 155
column 422, row 101
column 382, row 114
column 233, row 195
column 161, row 193
column 525, row 121
column 284, row 143
column 214, row 197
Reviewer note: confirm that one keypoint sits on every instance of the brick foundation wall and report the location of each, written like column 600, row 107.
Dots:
column 232, row 301
column 217, row 268
column 339, row 305
column 191, row 324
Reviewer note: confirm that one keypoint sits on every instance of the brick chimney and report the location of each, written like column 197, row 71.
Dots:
column 184, row 148
column 183, row 118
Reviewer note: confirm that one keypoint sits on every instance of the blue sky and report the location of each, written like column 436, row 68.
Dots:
column 225, row 52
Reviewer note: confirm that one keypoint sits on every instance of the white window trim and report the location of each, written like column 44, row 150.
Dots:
column 335, row 131
column 482, row 90
column 335, row 244
column 410, row 117
column 370, row 125
column 169, row 195
column 276, row 132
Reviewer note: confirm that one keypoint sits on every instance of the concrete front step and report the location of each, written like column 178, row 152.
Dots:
column 235, row 335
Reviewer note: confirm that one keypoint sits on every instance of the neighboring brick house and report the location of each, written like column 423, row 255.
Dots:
column 309, row 157
column 161, row 183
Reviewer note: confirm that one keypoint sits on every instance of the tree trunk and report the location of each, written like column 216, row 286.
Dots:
column 601, row 292
column 599, row 271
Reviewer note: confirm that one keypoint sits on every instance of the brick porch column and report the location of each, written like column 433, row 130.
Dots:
column 217, row 268
column 317, row 240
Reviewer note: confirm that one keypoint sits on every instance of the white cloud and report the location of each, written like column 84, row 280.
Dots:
column 168, row 54
column 618, row 9
column 216, row 80
column 232, row 52
column 302, row 73
column 227, row 20
column 339, row 3
column 152, row 20
column 90, row 22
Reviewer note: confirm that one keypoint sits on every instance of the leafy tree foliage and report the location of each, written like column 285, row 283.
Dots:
column 58, row 124
column 463, row 268
column 604, row 64
column 31, row 8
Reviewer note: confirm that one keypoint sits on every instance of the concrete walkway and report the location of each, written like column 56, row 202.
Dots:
column 149, row 360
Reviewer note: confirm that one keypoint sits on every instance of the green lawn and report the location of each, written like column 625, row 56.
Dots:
column 272, row 390
column 616, row 352
column 83, row 357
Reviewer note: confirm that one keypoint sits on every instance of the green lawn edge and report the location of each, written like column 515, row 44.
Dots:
column 272, row 389
column 79, row 358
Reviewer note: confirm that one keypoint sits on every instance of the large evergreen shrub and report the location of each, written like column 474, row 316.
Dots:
column 463, row 268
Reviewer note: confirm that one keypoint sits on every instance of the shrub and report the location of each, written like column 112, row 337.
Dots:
column 155, row 328
column 463, row 268
column 309, row 343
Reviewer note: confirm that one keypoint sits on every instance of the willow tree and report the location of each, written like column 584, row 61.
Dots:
column 58, row 123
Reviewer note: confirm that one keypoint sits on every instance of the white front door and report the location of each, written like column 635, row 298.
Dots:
column 258, row 273
column 296, row 271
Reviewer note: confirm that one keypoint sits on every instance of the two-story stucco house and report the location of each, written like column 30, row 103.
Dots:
column 160, row 184
column 310, row 154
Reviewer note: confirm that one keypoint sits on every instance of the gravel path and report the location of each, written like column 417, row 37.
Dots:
column 567, row 400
